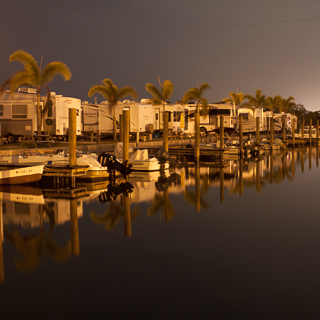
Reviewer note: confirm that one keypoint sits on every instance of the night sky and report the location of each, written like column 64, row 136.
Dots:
column 272, row 45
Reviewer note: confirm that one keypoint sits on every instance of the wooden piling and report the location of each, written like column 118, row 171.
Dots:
column 310, row 132
column 271, row 134
column 293, row 132
column 258, row 130
column 197, row 138
column 121, row 128
column 72, row 137
column 221, row 132
column 241, row 135
column 126, row 122
column 317, row 132
column 166, row 130
column 302, row 128
column 283, row 128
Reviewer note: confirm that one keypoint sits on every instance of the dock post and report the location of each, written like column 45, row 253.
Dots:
column 241, row 135
column 221, row 132
column 302, row 128
column 197, row 137
column 165, row 130
column 293, row 132
column 310, row 132
column 271, row 134
column 121, row 128
column 283, row 128
column 75, row 247
column 317, row 132
column 72, row 137
column 268, row 127
column 127, row 215
column 258, row 130
column 126, row 122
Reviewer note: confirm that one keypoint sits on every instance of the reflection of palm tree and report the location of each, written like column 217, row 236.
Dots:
column 111, row 216
column 162, row 201
column 33, row 248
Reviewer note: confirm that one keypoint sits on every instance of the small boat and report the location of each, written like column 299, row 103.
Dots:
column 21, row 175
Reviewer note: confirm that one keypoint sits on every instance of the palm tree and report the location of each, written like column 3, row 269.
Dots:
column 111, row 93
column 273, row 103
column 35, row 77
column 196, row 93
column 234, row 99
column 287, row 104
column 257, row 101
column 162, row 95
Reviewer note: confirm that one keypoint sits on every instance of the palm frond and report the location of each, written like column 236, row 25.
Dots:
column 167, row 89
column 154, row 91
column 127, row 91
column 99, row 89
column 52, row 69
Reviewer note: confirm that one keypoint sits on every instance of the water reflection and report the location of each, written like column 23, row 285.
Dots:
column 26, row 211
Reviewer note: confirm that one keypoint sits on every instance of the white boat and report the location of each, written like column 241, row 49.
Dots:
column 95, row 170
column 21, row 175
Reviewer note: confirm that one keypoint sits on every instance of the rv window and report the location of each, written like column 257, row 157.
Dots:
column 157, row 116
column 19, row 111
column 1, row 110
column 176, row 116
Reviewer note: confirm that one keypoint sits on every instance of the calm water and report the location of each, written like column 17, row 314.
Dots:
column 241, row 241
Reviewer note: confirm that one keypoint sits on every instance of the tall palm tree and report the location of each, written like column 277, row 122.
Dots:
column 287, row 104
column 35, row 77
column 273, row 103
column 162, row 95
column 234, row 99
column 257, row 101
column 111, row 93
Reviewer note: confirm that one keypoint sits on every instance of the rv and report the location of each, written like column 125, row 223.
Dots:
column 158, row 116
column 210, row 121
column 56, row 116
column 178, row 118
column 97, row 118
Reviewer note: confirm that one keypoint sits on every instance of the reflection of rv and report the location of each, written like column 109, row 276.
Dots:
column 18, row 114
column 56, row 116
column 209, row 121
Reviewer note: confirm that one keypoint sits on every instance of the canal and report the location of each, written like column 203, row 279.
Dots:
column 238, row 239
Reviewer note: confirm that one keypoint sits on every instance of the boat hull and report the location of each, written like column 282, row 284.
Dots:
column 23, row 175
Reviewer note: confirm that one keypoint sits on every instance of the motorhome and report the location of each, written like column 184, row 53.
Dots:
column 210, row 121
column 178, row 118
column 18, row 113
column 56, row 116
column 158, row 116
column 97, row 118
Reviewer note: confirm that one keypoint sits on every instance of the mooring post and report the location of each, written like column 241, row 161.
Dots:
column 271, row 134
column 121, row 128
column 126, row 122
column 317, row 133
column 302, row 129
column 283, row 128
column 72, row 137
column 221, row 132
column 197, row 137
column 310, row 132
column 166, row 130
column 293, row 132
column 268, row 127
column 241, row 135
column 258, row 131
column 74, row 228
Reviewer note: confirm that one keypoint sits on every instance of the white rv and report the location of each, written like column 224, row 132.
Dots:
column 56, row 117
column 18, row 113
column 158, row 116
column 97, row 118
column 178, row 118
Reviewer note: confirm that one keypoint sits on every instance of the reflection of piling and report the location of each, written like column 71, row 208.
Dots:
column 258, row 130
column 221, row 132
column 166, row 130
column 197, row 185
column 310, row 157
column 221, row 185
column 126, row 122
column 241, row 135
column 302, row 160
column 271, row 134
column 271, row 168
column 121, row 128
column 75, row 247
column 241, row 175
column 258, row 185
column 197, row 137
column 127, row 215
